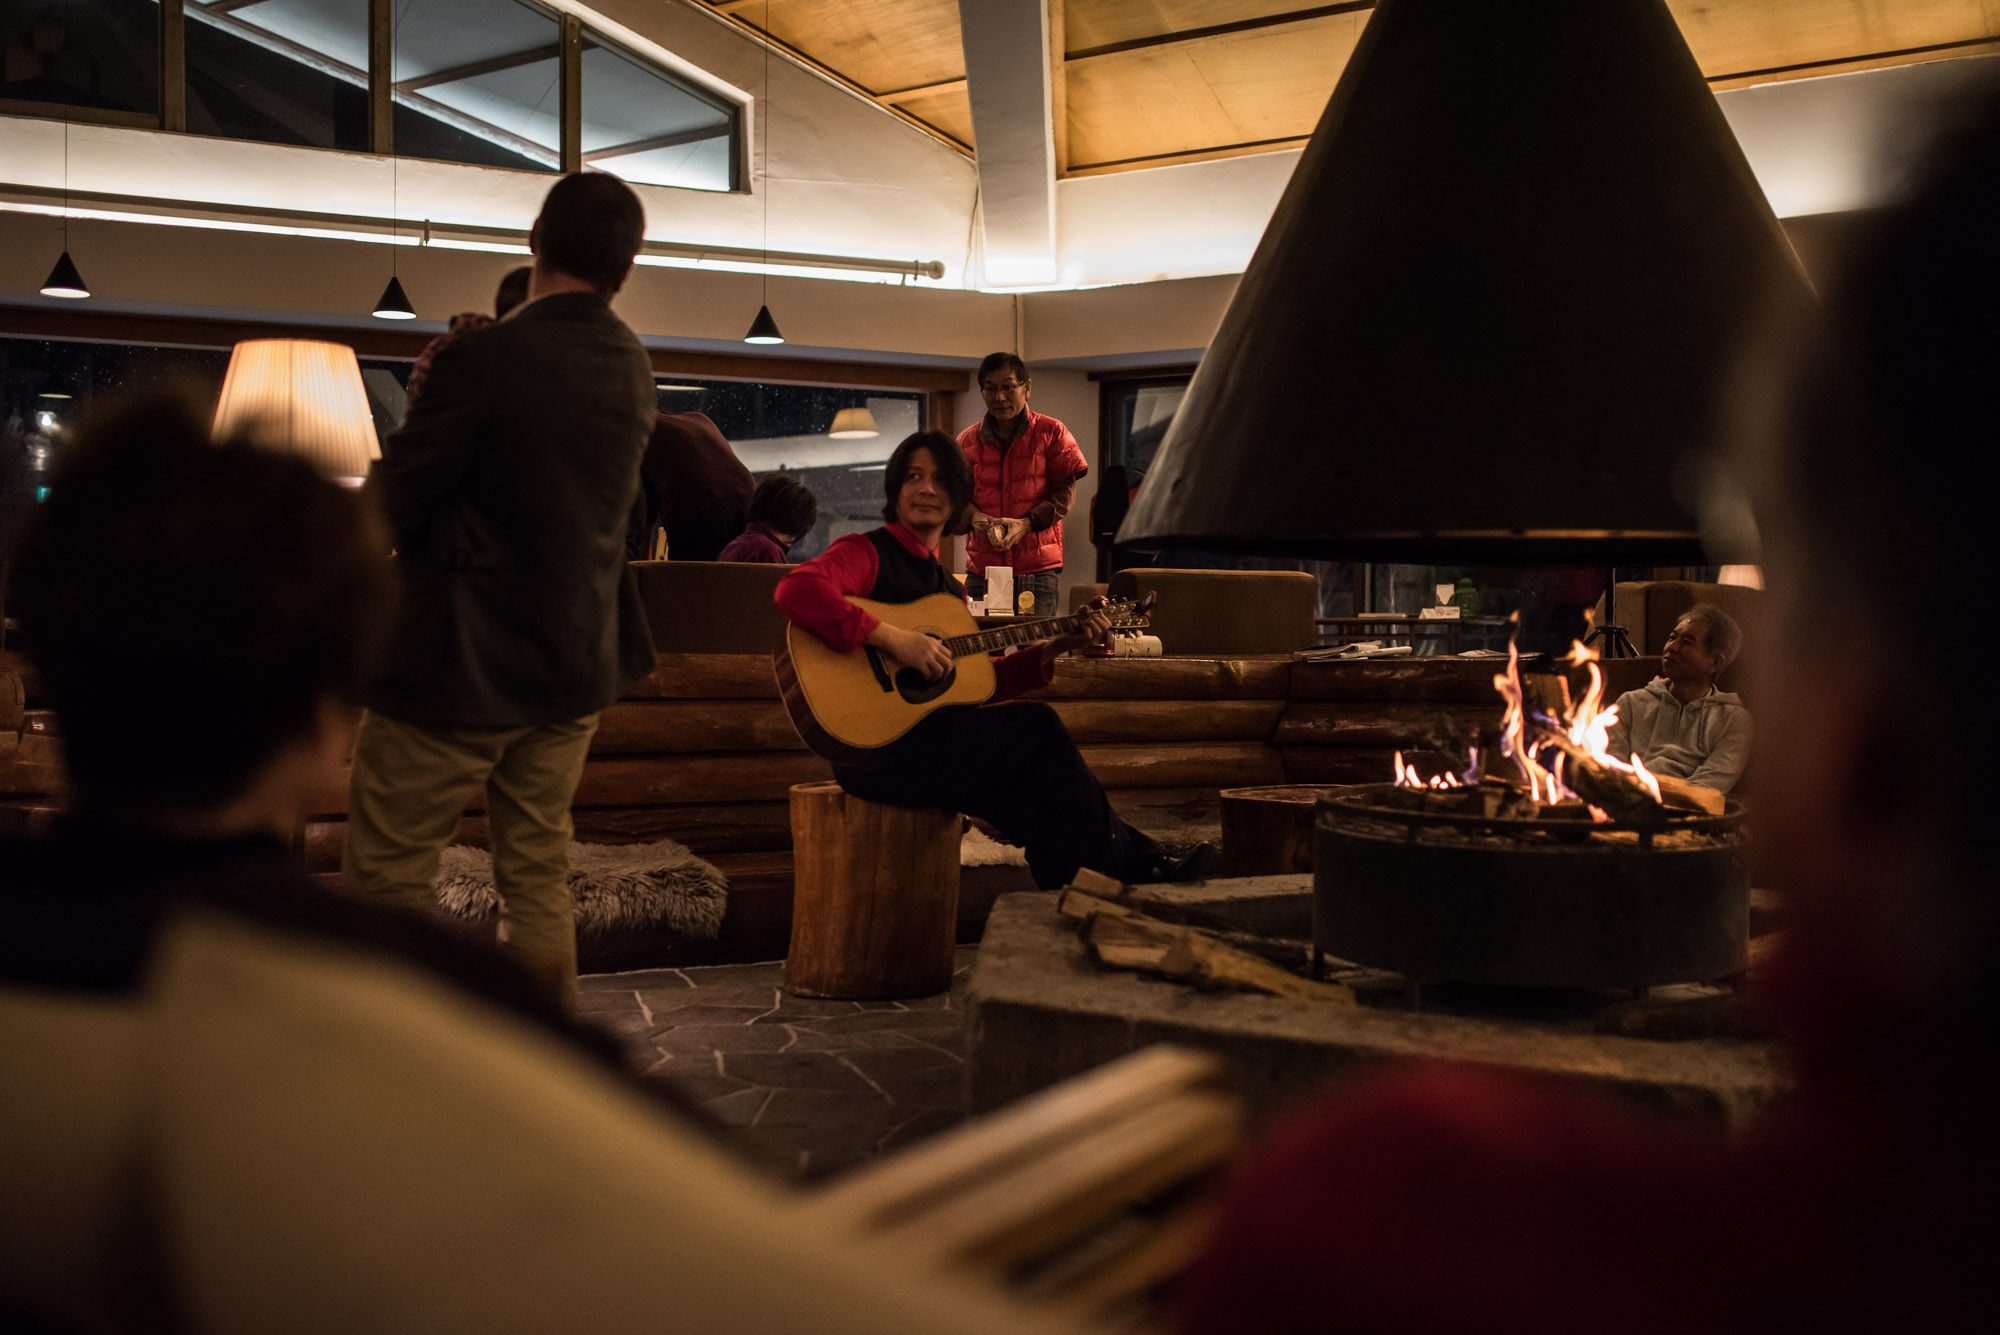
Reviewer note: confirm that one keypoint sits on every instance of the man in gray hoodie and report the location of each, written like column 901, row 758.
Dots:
column 1678, row 723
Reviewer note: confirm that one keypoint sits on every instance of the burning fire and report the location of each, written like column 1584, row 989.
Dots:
column 1585, row 725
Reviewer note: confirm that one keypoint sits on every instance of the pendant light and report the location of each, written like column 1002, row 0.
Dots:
column 394, row 303
column 63, row 280
column 764, row 329
column 854, row 424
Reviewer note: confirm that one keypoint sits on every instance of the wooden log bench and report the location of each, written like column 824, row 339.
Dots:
column 700, row 751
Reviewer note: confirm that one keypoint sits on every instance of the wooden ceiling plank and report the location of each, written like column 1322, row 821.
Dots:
column 875, row 44
column 1058, row 86
column 941, row 86
column 1095, row 23
column 1279, row 20
column 1176, row 159
column 1885, row 60
column 946, row 110
column 1731, row 38
column 1257, row 86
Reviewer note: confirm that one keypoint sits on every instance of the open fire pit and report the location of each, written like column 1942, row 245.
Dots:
column 1529, row 900
column 1562, row 865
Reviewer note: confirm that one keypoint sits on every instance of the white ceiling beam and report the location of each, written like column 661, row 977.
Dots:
column 1009, row 84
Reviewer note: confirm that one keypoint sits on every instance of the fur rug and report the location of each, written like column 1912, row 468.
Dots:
column 617, row 887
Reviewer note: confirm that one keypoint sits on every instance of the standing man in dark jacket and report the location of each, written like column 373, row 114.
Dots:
column 695, row 487
column 508, row 490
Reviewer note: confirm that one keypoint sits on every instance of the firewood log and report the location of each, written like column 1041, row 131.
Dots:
column 1619, row 796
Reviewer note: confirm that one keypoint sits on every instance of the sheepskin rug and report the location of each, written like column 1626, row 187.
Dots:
column 617, row 887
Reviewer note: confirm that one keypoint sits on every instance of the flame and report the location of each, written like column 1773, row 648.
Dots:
column 1407, row 776
column 1586, row 724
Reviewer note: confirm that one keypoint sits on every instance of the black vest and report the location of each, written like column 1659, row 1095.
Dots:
column 901, row 577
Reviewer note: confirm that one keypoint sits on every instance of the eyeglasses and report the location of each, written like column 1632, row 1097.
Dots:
column 1004, row 387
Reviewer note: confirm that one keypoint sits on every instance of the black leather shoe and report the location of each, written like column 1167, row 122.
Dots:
column 1197, row 864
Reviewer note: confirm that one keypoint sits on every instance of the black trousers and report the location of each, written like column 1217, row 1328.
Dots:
column 1013, row 766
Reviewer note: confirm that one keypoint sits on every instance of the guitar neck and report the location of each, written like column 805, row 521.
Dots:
column 1030, row 631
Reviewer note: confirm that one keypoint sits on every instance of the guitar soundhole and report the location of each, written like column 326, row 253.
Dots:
column 910, row 684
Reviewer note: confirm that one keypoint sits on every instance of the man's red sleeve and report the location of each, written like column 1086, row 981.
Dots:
column 815, row 594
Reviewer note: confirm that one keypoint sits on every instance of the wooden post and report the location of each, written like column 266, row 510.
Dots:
column 1268, row 830
column 875, row 904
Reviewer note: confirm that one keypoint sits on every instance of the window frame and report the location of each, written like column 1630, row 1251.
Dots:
column 573, row 38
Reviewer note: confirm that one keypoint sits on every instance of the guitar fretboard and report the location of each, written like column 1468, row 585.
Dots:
column 1006, row 637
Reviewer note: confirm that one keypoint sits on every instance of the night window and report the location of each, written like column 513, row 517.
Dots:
column 644, row 127
column 279, row 71
column 783, row 429
column 97, row 54
column 471, row 81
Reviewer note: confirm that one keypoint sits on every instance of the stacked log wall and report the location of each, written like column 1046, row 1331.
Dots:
column 701, row 750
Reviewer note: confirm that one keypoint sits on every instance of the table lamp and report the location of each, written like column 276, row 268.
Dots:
column 302, row 397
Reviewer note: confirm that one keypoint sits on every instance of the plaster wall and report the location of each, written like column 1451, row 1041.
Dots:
column 149, row 269
column 840, row 177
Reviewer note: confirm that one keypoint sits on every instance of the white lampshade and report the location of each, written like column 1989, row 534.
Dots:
column 301, row 397
column 853, row 424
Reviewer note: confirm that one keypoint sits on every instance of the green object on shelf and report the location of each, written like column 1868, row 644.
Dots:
column 1466, row 600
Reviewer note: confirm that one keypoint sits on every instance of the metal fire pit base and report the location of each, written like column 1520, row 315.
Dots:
column 1504, row 902
column 1038, row 1011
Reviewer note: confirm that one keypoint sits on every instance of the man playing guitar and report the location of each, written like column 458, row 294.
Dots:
column 1010, row 764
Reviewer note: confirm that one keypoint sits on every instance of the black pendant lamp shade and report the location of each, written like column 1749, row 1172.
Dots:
column 1491, row 315
column 65, row 281
column 395, row 303
column 763, row 329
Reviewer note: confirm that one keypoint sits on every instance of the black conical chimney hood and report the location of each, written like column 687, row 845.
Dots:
column 1488, row 320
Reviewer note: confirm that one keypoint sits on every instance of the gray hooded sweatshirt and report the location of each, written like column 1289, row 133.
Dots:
column 1706, row 741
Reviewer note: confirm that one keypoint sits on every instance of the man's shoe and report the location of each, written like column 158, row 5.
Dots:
column 1197, row 864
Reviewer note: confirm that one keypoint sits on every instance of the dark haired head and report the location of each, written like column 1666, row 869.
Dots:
column 783, row 502
column 954, row 474
column 189, row 605
column 994, row 363
column 513, row 290
column 590, row 227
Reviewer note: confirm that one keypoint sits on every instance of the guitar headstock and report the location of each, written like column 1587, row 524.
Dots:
column 1127, row 615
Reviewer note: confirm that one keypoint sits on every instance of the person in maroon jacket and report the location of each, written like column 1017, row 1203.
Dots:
column 782, row 511
column 1010, row 762
column 1456, row 1198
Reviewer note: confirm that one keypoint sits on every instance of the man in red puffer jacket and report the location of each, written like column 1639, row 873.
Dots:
column 1024, row 470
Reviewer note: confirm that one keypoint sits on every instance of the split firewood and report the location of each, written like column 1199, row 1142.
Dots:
column 1618, row 795
column 1690, row 796
column 1098, row 884
column 1131, row 940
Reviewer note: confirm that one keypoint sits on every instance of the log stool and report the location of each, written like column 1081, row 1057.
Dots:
column 1268, row 830
column 875, row 898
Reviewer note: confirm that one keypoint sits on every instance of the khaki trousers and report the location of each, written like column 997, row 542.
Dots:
column 411, row 784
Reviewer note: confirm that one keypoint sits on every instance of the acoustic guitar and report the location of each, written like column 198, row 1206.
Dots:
column 846, row 705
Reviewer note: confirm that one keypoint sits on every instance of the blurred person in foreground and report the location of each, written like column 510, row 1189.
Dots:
column 1455, row 1198
column 230, row 1101
column 782, row 511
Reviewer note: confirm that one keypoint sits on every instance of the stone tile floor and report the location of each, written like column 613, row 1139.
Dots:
column 804, row 1087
